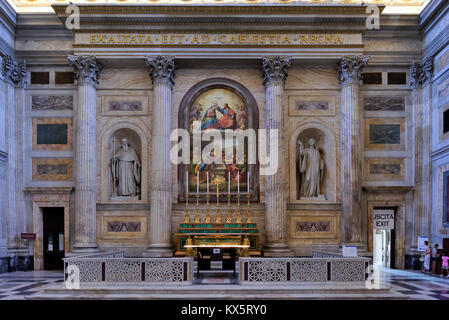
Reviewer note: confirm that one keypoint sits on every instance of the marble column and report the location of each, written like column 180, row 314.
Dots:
column 87, row 71
column 275, row 74
column 14, row 76
column 162, row 73
column 420, row 81
column 350, row 74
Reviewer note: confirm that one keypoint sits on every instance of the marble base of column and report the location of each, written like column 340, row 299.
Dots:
column 277, row 250
column 158, row 251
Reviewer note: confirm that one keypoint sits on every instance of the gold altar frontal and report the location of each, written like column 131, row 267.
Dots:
column 217, row 235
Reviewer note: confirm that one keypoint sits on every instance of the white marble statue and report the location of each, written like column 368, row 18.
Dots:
column 311, row 167
column 126, row 169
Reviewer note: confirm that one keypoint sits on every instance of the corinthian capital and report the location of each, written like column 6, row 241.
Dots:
column 14, row 71
column 350, row 70
column 162, row 69
column 275, row 69
column 421, row 73
column 87, row 69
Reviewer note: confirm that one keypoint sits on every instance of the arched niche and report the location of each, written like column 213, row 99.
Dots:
column 325, row 144
column 238, row 94
column 136, row 134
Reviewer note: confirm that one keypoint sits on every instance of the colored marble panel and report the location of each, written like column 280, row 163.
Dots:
column 56, row 103
column 443, row 89
column 443, row 61
column 383, row 103
column 52, row 133
column 311, row 105
column 52, row 169
column 310, row 226
column 125, row 105
column 384, row 134
column 123, row 226
column 385, row 169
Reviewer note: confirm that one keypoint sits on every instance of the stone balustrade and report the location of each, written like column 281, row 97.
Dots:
column 114, row 268
column 331, row 269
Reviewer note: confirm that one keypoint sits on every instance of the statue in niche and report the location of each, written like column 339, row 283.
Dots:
column 311, row 167
column 126, row 170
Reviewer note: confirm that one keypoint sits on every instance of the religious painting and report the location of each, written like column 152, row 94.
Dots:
column 219, row 109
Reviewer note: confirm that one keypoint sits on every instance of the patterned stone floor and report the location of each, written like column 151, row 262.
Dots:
column 414, row 284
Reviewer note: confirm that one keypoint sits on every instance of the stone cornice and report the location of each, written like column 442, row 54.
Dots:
column 87, row 69
column 393, row 189
column 275, row 69
column 49, row 190
column 249, row 9
column 162, row 69
column 350, row 69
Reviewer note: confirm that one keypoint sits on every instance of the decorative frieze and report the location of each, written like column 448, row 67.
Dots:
column 350, row 70
column 14, row 71
column 275, row 69
column 87, row 69
column 162, row 69
column 53, row 103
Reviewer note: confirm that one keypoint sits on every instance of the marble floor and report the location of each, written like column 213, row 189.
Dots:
column 411, row 284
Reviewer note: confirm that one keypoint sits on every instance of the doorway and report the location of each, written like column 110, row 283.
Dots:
column 53, row 234
column 384, row 240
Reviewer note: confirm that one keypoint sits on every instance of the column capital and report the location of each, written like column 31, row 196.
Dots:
column 13, row 71
column 275, row 69
column 421, row 74
column 87, row 69
column 350, row 69
column 162, row 69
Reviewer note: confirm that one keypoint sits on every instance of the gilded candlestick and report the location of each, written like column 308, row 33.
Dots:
column 207, row 220
column 197, row 216
column 186, row 216
column 239, row 217
column 218, row 216
column 248, row 212
column 229, row 217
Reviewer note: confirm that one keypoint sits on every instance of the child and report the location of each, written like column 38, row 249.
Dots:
column 445, row 265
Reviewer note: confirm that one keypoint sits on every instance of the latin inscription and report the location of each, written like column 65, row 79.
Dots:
column 221, row 39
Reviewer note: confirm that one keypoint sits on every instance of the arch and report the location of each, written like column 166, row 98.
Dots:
column 109, row 129
column 253, row 122
column 328, row 144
